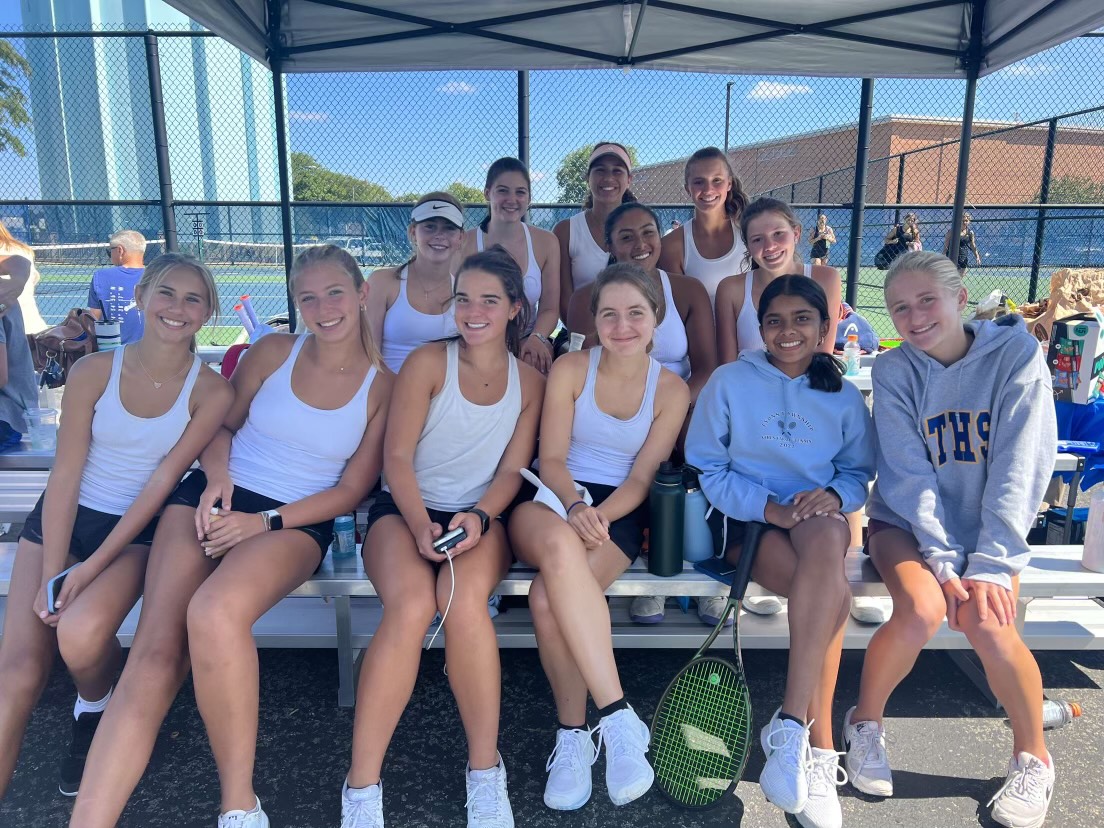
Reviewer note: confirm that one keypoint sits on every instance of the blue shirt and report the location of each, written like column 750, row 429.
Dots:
column 112, row 293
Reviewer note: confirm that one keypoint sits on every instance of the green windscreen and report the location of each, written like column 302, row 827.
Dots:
column 700, row 732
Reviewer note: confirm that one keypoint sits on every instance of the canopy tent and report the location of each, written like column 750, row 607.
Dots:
column 963, row 39
column 875, row 38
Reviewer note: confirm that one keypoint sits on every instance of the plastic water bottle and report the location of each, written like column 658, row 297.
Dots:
column 852, row 355
column 344, row 542
column 1057, row 714
column 1093, row 555
column 666, row 502
column 697, row 542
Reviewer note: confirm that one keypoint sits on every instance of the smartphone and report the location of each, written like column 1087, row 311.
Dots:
column 448, row 540
column 53, row 588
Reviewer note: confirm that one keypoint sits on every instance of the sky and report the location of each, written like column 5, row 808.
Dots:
column 412, row 132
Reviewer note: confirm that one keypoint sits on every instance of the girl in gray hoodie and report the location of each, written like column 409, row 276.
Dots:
column 967, row 438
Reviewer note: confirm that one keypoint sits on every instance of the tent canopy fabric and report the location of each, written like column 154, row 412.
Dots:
column 845, row 38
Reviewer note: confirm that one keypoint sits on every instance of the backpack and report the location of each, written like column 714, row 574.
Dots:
column 63, row 345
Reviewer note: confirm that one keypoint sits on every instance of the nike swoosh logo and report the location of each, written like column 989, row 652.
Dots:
column 438, row 207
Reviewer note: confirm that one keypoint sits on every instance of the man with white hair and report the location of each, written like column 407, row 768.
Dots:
column 111, row 294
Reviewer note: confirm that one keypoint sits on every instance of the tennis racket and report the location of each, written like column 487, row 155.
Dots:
column 701, row 729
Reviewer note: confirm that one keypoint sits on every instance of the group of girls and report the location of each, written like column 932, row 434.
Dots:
column 779, row 437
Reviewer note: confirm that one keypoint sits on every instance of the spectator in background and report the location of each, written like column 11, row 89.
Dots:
column 111, row 294
column 17, row 378
column 11, row 246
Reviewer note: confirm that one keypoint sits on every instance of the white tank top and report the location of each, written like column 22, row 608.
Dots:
column 405, row 327
column 531, row 275
column 588, row 259
column 604, row 448
column 462, row 442
column 710, row 272
column 748, row 336
column 670, row 347
column 125, row 449
column 288, row 450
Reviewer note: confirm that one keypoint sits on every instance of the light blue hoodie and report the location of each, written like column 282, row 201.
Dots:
column 758, row 435
column 965, row 450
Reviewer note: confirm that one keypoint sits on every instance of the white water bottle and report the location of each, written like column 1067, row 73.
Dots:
column 852, row 355
column 1093, row 555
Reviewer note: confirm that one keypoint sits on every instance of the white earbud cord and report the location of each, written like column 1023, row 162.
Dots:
column 448, row 606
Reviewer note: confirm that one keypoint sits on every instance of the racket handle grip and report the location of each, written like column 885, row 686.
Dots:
column 753, row 533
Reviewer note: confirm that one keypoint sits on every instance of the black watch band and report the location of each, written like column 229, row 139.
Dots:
column 484, row 519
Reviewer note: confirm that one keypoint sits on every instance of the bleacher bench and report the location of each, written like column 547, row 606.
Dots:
column 1056, row 610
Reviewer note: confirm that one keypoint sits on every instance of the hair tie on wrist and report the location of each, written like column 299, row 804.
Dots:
column 573, row 505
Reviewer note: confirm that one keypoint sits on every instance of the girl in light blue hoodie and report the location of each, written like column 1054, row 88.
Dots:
column 781, row 438
column 966, row 445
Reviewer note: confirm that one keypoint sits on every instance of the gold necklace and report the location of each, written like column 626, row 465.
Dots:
column 157, row 384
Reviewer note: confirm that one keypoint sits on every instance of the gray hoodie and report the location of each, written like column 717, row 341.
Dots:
column 965, row 451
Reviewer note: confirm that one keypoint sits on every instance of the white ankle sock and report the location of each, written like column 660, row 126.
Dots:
column 82, row 705
column 358, row 794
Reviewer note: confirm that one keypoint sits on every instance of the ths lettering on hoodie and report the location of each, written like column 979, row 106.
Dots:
column 965, row 451
column 758, row 435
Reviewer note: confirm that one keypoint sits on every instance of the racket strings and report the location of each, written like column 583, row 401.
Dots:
column 701, row 734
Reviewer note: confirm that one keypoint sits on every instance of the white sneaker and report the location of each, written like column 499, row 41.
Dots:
column 710, row 610
column 362, row 808
column 569, row 778
column 784, row 778
column 823, row 807
column 867, row 762
column 763, row 604
column 244, row 819
column 1023, row 799
column 628, row 774
column 488, row 799
column 647, row 609
column 870, row 610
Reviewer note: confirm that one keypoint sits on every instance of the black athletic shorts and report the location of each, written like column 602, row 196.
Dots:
column 628, row 531
column 90, row 529
column 191, row 489
column 728, row 533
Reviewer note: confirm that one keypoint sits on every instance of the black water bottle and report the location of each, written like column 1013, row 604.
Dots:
column 667, row 505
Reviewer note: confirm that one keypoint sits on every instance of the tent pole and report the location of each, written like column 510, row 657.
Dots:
column 973, row 66
column 275, row 64
column 858, row 198
column 161, row 143
column 523, row 116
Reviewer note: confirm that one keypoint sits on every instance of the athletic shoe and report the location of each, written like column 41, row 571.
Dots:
column 72, row 765
column 363, row 811
column 1023, row 799
column 710, row 610
column 647, row 609
column 867, row 762
column 244, row 819
column 763, row 604
column 784, row 779
column 870, row 610
column 822, row 810
column 628, row 774
column 488, row 801
column 569, row 783
column 493, row 604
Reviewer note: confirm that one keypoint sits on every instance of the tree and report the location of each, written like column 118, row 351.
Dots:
column 13, row 103
column 571, row 176
column 465, row 194
column 1072, row 189
column 313, row 182
column 408, row 197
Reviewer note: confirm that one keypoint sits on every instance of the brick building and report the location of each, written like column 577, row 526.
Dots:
column 1005, row 168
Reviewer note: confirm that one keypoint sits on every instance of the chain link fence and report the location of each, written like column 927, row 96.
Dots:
column 362, row 146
